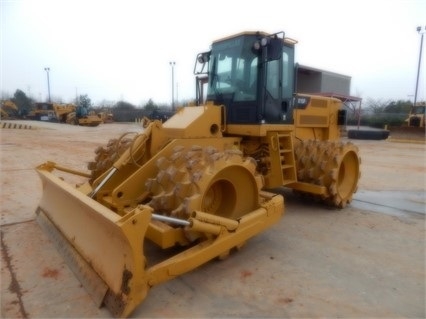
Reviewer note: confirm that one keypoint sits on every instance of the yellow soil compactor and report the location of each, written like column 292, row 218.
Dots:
column 203, row 180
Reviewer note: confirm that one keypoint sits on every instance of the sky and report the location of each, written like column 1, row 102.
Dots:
column 121, row 50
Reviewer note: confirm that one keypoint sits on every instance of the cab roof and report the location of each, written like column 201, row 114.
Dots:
column 288, row 41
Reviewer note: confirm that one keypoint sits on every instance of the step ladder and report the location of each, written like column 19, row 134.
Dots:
column 282, row 170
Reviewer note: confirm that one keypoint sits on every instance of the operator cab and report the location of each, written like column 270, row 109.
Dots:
column 252, row 74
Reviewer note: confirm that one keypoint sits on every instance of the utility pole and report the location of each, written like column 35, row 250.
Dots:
column 48, row 82
column 172, row 63
column 422, row 32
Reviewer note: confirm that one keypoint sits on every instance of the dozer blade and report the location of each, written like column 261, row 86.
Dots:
column 105, row 250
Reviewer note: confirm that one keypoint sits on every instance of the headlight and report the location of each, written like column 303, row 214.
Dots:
column 264, row 42
column 256, row 45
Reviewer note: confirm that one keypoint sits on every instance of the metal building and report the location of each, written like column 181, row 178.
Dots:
column 321, row 82
column 312, row 80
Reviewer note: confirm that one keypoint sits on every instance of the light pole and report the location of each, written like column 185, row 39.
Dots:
column 48, row 82
column 422, row 32
column 172, row 63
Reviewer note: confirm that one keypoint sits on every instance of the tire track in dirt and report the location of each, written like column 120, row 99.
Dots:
column 14, row 286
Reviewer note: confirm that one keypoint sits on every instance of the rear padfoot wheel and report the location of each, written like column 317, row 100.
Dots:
column 335, row 165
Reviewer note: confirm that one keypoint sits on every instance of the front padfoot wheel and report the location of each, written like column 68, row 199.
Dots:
column 207, row 180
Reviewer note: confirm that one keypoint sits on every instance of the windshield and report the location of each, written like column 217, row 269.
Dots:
column 233, row 70
column 254, row 81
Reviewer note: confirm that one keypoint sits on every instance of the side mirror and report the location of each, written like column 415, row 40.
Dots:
column 275, row 49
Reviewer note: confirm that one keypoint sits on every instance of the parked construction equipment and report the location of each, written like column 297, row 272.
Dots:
column 8, row 109
column 106, row 116
column 80, row 116
column 204, row 179
column 416, row 118
column 64, row 113
column 413, row 128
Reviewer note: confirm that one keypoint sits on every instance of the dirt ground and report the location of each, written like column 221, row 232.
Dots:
column 367, row 260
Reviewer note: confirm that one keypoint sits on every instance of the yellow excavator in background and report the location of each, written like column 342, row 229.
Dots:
column 7, row 107
column 205, row 180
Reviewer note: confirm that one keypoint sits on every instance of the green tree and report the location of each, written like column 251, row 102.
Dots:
column 123, row 106
column 150, row 106
column 125, row 112
column 376, row 106
column 84, row 101
column 23, row 102
column 386, row 113
column 399, row 107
